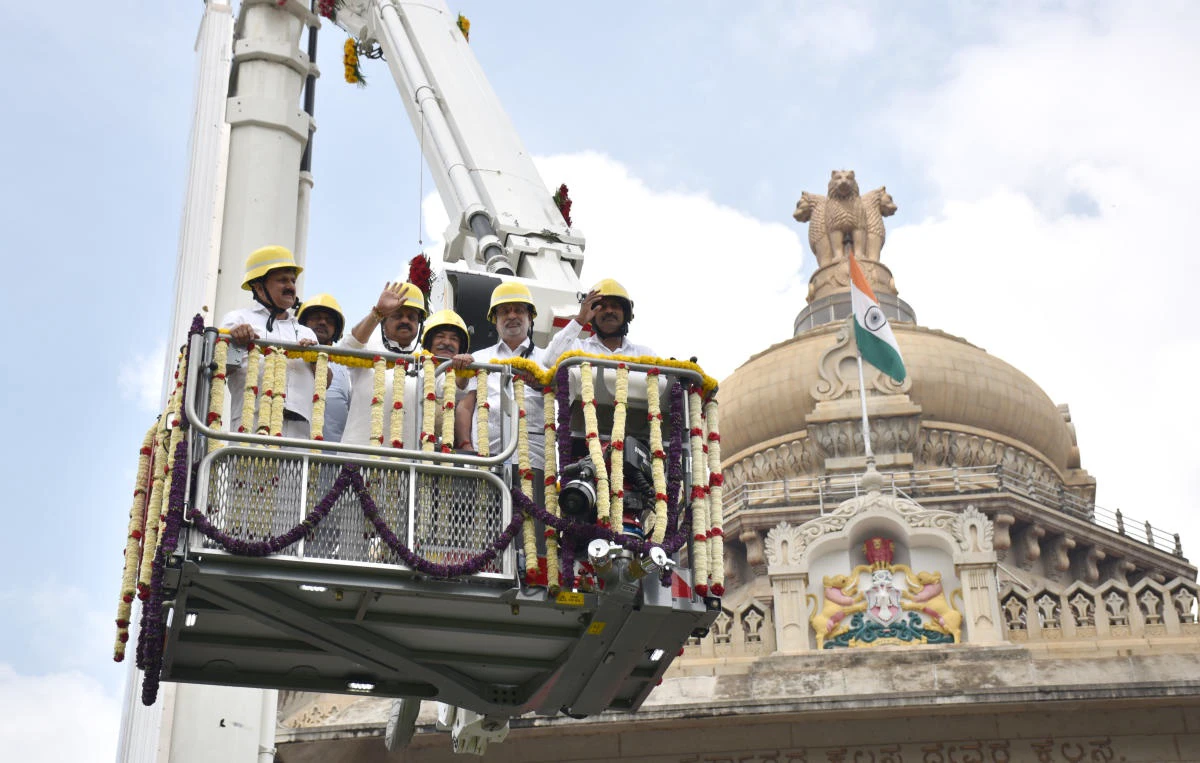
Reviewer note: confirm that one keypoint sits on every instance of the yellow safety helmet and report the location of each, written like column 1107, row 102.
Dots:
column 264, row 260
column 611, row 288
column 415, row 299
column 327, row 302
column 510, row 291
column 445, row 319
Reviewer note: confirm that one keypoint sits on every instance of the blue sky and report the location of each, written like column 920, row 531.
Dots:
column 1042, row 157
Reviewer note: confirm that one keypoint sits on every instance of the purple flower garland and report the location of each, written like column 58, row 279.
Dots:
column 562, row 395
column 675, row 456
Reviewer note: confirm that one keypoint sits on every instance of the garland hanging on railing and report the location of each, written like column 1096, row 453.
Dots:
column 279, row 401
column 587, row 399
column 378, row 380
column 616, row 516
column 482, row 417
column 153, row 510
column 133, row 540
column 529, row 536
column 449, row 392
column 550, row 447
column 266, row 392
column 428, row 405
column 700, row 552
column 396, row 428
column 716, row 534
column 250, row 394
column 320, row 390
column 216, row 395
column 658, row 456
column 675, row 456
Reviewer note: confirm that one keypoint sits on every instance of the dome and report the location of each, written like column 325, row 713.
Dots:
column 958, row 387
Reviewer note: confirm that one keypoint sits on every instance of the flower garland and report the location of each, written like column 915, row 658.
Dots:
column 279, row 401
column 530, row 534
column 350, row 361
column 354, row 75
column 464, row 26
column 699, row 495
column 550, row 445
column 396, row 428
column 329, row 8
column 716, row 543
column 654, row 416
column 216, row 397
column 428, row 408
column 133, row 539
column 616, row 517
column 153, row 510
column 562, row 397
column 321, row 379
column 482, row 418
column 546, row 375
column 266, row 393
column 377, row 393
column 587, row 398
column 449, row 392
column 250, row 395
column 675, row 456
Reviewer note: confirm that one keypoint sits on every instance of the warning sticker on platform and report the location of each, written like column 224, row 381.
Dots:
column 570, row 599
column 596, row 628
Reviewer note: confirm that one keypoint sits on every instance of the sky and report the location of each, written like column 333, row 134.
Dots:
column 1041, row 155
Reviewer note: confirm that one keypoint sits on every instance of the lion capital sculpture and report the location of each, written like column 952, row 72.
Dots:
column 845, row 214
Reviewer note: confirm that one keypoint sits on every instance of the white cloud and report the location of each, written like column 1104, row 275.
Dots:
column 141, row 378
column 1064, row 157
column 56, row 717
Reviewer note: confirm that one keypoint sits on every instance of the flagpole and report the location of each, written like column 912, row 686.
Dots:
column 862, row 396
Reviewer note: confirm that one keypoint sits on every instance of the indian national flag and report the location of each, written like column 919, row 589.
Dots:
column 876, row 343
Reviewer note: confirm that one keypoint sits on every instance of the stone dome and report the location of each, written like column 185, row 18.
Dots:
column 953, row 386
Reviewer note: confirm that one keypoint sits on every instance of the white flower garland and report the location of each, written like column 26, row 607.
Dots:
column 428, row 405
column 699, row 495
column 616, row 517
column 396, row 423
column 250, row 396
column 321, row 389
column 279, row 402
column 153, row 512
column 265, row 392
column 716, row 481
column 133, row 539
column 449, row 392
column 529, row 533
column 483, row 420
column 658, row 464
column 587, row 398
column 551, row 453
column 378, row 380
column 216, row 396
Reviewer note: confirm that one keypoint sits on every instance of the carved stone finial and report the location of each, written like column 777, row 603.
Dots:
column 845, row 217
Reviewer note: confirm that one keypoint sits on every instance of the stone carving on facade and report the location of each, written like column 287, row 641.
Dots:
column 973, row 530
column 1114, row 610
column 838, row 370
column 844, row 214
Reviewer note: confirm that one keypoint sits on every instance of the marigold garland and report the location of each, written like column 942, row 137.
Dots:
column 616, row 518
column 482, row 408
column 216, row 397
column 428, row 404
column 699, row 495
column 396, row 428
column 250, row 394
column 554, row 580
column 133, row 540
column 546, row 375
column 654, row 414
column 377, row 393
column 320, row 390
column 716, row 482
column 464, row 26
column 587, row 399
column 354, row 75
column 526, row 474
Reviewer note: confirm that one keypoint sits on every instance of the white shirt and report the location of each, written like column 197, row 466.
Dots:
column 534, row 417
column 337, row 402
column 567, row 339
column 299, row 374
column 362, row 385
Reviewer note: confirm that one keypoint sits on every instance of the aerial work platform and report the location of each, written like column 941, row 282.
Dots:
column 315, row 566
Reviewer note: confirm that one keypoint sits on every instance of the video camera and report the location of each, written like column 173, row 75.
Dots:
column 577, row 496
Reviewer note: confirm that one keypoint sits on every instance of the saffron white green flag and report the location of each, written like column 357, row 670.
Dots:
column 876, row 343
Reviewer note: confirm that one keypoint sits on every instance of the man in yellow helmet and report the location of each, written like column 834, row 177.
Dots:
column 609, row 309
column 513, row 311
column 324, row 316
column 271, row 278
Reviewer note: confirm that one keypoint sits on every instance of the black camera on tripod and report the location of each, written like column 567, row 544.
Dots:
column 577, row 495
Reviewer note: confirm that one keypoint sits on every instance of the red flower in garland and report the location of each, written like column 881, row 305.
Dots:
column 420, row 274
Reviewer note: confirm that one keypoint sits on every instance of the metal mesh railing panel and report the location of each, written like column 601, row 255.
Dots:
column 254, row 497
column 456, row 518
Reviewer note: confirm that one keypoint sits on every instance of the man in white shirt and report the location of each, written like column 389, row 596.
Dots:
column 610, row 311
column 271, row 278
column 324, row 316
column 513, row 311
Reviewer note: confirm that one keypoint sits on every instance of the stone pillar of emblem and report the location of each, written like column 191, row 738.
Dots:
column 981, row 603
column 791, row 614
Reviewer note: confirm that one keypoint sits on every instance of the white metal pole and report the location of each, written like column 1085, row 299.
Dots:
column 862, row 395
